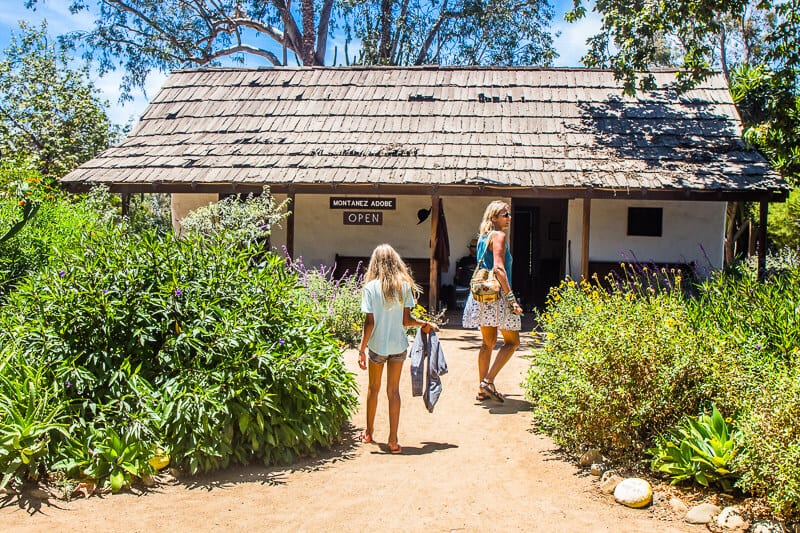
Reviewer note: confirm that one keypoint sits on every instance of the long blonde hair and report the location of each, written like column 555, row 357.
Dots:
column 492, row 210
column 386, row 266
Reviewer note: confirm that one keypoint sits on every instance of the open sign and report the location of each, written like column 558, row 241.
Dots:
column 363, row 218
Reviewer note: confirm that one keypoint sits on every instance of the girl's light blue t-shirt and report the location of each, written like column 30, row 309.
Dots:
column 389, row 336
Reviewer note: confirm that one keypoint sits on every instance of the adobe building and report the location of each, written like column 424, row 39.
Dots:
column 369, row 154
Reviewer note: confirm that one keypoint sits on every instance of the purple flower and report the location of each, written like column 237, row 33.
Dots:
column 61, row 274
column 178, row 292
column 67, row 384
column 105, row 291
column 281, row 341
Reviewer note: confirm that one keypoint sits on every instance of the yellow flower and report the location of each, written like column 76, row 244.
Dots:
column 578, row 310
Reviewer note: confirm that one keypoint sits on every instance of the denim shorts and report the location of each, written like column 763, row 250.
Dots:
column 380, row 359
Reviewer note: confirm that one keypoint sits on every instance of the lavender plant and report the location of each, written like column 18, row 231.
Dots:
column 336, row 300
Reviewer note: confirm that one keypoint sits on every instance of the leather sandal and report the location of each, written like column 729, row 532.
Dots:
column 489, row 388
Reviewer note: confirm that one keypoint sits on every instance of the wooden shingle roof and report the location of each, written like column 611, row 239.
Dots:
column 531, row 130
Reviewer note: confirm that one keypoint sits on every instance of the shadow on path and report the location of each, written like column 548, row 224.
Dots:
column 426, row 448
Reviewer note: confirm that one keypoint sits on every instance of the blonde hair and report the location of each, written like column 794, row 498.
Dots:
column 386, row 266
column 492, row 210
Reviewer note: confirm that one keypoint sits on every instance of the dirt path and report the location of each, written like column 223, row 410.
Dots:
column 466, row 467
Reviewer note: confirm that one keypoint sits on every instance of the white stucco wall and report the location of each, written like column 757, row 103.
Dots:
column 320, row 232
column 692, row 231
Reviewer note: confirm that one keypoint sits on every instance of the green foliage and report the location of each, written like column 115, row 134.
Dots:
column 203, row 346
column 770, row 457
column 58, row 224
column 784, row 221
column 770, row 108
column 624, row 363
column 759, row 318
column 49, row 111
column 246, row 221
column 30, row 415
column 618, row 366
column 700, row 449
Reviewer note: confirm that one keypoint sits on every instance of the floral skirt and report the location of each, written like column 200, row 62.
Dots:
column 495, row 314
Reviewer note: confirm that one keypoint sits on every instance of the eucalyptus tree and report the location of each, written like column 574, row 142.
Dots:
column 452, row 32
column 50, row 112
column 142, row 35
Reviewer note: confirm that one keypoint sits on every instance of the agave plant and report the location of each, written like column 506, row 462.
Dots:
column 700, row 449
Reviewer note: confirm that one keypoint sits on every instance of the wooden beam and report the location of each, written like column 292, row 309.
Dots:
column 290, row 226
column 433, row 281
column 446, row 190
column 762, row 240
column 587, row 212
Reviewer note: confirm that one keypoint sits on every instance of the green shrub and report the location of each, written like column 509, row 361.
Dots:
column 700, row 449
column 770, row 458
column 617, row 367
column 202, row 346
column 624, row 364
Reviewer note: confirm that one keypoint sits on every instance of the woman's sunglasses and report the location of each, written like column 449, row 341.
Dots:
column 505, row 215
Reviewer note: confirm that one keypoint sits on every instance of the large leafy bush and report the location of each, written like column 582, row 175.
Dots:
column 201, row 346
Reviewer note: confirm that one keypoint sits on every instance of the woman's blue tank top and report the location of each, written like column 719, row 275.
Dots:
column 488, row 257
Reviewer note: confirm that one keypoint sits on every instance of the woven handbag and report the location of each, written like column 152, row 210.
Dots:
column 483, row 286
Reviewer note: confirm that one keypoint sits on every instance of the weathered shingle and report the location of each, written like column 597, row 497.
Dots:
column 511, row 127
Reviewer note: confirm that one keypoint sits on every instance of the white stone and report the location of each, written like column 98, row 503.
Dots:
column 610, row 483
column 767, row 527
column 731, row 519
column 634, row 492
column 590, row 457
column 678, row 505
column 702, row 514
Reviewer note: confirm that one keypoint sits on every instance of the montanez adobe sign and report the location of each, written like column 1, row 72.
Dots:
column 340, row 202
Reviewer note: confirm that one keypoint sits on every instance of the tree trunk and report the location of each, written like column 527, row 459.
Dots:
column 384, row 50
column 307, row 7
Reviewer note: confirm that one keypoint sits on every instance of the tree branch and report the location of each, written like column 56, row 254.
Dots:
column 322, row 31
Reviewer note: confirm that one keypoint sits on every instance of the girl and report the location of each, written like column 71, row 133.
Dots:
column 387, row 301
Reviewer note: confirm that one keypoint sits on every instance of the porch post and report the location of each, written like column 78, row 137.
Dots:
column 587, row 211
column 433, row 281
column 762, row 240
column 290, row 226
column 126, row 203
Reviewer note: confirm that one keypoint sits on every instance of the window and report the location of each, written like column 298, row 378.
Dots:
column 645, row 221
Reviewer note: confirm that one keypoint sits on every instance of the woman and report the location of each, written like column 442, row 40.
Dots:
column 387, row 301
column 502, row 314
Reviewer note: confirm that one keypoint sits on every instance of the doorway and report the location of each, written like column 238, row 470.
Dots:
column 538, row 235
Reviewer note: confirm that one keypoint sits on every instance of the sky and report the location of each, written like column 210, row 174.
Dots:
column 570, row 44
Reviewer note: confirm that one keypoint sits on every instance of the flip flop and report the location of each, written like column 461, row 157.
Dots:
column 481, row 397
column 396, row 451
column 366, row 438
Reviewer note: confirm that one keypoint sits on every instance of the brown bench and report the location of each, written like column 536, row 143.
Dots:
column 420, row 269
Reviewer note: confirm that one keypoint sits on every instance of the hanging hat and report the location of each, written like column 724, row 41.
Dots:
column 423, row 215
